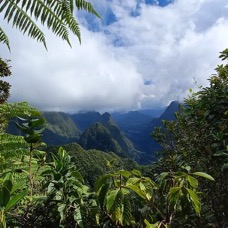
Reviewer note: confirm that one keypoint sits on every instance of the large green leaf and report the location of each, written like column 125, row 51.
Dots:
column 137, row 190
column 36, row 122
column 111, row 197
column 205, row 175
column 4, row 197
column 101, row 181
column 15, row 199
column 7, row 183
column 173, row 195
column 195, row 200
column 136, row 172
column 102, row 193
column 192, row 181
column 124, row 173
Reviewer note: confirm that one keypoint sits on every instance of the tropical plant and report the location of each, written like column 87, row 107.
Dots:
column 128, row 199
column 9, row 197
column 56, row 15
column 67, row 194
column 199, row 138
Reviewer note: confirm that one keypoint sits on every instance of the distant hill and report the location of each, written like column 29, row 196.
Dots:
column 106, row 136
column 60, row 129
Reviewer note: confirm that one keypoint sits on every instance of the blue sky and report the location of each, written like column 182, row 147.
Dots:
column 142, row 54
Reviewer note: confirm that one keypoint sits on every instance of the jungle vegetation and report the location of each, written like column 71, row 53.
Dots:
column 71, row 187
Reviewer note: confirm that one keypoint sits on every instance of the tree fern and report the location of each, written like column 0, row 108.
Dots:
column 56, row 15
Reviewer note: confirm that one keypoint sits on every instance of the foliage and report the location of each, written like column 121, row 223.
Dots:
column 4, row 86
column 67, row 193
column 56, row 15
column 9, row 197
column 90, row 170
column 130, row 199
column 13, row 148
column 199, row 138
column 174, row 194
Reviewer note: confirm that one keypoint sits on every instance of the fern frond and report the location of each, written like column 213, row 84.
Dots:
column 22, row 21
column 69, row 19
column 57, row 15
column 4, row 38
column 82, row 4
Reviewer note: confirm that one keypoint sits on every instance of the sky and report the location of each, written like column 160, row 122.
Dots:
column 143, row 54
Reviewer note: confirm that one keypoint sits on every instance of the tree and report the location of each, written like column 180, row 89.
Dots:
column 56, row 15
column 199, row 138
column 4, row 86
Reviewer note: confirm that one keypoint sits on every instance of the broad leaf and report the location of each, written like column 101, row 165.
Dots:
column 4, row 197
column 195, row 200
column 137, row 190
column 110, row 200
column 192, row 181
column 205, row 175
column 101, row 181
column 15, row 199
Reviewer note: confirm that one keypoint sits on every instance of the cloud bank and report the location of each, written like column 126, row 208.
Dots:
column 139, row 56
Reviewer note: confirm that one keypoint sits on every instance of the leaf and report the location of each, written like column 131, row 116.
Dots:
column 102, row 194
column 133, row 180
column 33, row 138
column 78, row 217
column 205, row 175
column 136, row 173
column 14, row 200
column 192, row 181
column 195, row 200
column 7, row 183
column 124, row 173
column 110, row 199
column 4, row 197
column 149, row 225
column 173, row 195
column 101, row 181
column 77, row 175
column 4, row 38
column 127, row 216
column 36, row 122
column 137, row 190
column 62, row 211
column 225, row 167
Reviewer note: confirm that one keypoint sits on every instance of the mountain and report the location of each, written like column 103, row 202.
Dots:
column 60, row 129
column 126, row 134
column 132, row 121
column 85, row 120
column 106, row 136
column 152, row 112
column 139, row 128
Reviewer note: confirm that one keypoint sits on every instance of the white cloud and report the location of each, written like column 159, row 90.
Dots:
column 167, row 46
